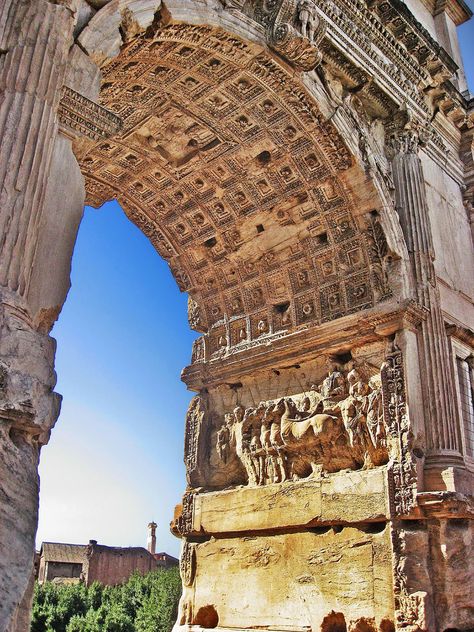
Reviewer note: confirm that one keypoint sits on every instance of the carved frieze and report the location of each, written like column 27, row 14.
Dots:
column 83, row 117
column 339, row 424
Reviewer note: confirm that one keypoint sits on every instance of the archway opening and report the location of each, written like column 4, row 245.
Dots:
column 114, row 462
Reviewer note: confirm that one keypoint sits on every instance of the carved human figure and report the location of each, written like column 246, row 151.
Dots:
column 262, row 326
column 308, row 19
column 356, row 426
column 375, row 420
column 333, row 390
column 273, row 444
column 223, row 439
column 362, row 414
column 249, row 447
column 357, row 386
column 267, row 469
column 255, row 453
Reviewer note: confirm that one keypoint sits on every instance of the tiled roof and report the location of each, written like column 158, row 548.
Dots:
column 68, row 553
column 122, row 550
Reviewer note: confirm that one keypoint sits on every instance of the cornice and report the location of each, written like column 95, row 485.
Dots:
column 336, row 336
column 456, row 10
column 414, row 36
column 383, row 54
column 446, row 505
column 461, row 333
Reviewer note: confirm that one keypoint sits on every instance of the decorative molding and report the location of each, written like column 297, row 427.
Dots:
column 402, row 472
column 446, row 504
column 83, row 117
column 332, row 337
column 463, row 334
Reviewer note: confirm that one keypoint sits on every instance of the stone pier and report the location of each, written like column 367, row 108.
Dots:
column 305, row 168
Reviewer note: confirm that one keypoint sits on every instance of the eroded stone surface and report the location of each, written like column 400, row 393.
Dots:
column 293, row 580
column 316, row 220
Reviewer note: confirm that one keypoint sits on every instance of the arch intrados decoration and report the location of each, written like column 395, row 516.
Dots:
column 271, row 191
column 226, row 163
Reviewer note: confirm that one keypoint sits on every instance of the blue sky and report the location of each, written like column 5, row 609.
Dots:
column 115, row 458
column 114, row 461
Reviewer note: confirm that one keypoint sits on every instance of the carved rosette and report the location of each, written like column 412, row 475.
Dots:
column 402, row 471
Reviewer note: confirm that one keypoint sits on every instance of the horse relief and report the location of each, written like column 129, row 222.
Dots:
column 338, row 425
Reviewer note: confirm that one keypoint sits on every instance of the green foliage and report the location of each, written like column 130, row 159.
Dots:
column 143, row 604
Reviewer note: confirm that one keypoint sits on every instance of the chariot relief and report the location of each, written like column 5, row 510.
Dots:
column 274, row 152
column 339, row 424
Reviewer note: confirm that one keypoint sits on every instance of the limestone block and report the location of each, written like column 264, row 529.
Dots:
column 450, row 547
column 19, row 484
column 57, row 231
column 293, row 581
column 82, row 74
column 102, row 39
column 345, row 496
column 27, row 376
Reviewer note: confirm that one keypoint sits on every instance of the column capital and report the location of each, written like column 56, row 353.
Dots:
column 405, row 135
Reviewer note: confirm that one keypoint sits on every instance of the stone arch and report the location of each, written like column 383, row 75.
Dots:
column 116, row 23
column 347, row 217
column 261, row 209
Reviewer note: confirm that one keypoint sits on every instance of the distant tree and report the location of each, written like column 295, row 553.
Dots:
column 160, row 608
column 143, row 604
column 94, row 595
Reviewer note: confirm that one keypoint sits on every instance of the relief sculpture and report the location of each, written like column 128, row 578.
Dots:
column 294, row 29
column 338, row 425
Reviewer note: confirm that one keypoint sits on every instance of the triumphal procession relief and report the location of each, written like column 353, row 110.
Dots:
column 339, row 425
column 306, row 169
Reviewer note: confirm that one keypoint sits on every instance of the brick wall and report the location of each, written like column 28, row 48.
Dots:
column 110, row 565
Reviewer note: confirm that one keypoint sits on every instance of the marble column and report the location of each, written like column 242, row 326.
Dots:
column 442, row 434
column 35, row 39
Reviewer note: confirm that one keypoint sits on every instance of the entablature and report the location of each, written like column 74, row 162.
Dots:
column 335, row 337
column 381, row 40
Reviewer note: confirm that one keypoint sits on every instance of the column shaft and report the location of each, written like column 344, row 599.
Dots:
column 442, row 432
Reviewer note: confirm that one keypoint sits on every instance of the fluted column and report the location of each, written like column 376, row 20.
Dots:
column 35, row 38
column 443, row 442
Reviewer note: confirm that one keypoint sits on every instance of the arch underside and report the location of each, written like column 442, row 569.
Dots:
column 228, row 166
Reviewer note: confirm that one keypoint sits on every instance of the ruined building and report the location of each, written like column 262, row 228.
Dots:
column 306, row 169
column 109, row 565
